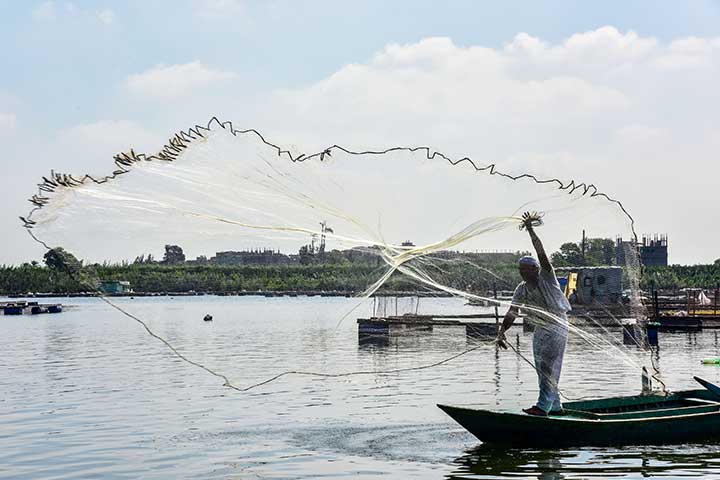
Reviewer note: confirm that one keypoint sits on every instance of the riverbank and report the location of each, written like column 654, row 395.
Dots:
column 244, row 293
column 322, row 279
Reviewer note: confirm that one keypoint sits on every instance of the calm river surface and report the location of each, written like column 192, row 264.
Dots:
column 89, row 394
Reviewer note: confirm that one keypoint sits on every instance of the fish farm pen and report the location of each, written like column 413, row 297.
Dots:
column 691, row 311
column 32, row 308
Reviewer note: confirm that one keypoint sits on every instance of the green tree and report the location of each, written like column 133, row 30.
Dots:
column 600, row 251
column 59, row 260
column 306, row 256
column 173, row 255
column 569, row 255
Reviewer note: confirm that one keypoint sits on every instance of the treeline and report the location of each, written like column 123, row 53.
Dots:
column 345, row 277
column 470, row 272
column 681, row 276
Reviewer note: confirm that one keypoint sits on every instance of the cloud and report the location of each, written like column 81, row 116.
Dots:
column 92, row 146
column 630, row 113
column 633, row 114
column 106, row 16
column 529, row 95
column 8, row 121
column 172, row 81
column 459, row 96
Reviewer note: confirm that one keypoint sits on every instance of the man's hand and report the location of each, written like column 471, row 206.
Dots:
column 501, row 340
column 531, row 220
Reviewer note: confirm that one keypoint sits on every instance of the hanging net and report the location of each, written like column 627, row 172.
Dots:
column 393, row 224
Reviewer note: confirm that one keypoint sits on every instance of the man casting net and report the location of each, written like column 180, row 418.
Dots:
column 371, row 222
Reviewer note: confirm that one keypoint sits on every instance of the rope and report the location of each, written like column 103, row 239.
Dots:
column 366, row 372
column 226, row 380
column 540, row 373
column 229, row 384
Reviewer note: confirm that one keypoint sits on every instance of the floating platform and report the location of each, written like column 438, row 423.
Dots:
column 687, row 323
column 475, row 324
column 32, row 308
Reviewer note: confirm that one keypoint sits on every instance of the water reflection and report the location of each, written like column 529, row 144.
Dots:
column 60, row 344
column 488, row 462
column 372, row 342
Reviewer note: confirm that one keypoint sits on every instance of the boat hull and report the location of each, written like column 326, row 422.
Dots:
column 665, row 424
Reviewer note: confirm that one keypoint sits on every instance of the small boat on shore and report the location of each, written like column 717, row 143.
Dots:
column 685, row 416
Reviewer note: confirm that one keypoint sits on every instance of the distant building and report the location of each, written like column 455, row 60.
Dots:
column 363, row 254
column 653, row 250
column 250, row 257
column 593, row 285
column 115, row 287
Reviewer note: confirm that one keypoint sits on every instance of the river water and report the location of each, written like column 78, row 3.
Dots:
column 89, row 394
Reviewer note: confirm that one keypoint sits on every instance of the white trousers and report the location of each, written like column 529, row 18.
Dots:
column 548, row 349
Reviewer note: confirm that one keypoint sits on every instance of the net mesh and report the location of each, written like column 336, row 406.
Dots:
column 416, row 220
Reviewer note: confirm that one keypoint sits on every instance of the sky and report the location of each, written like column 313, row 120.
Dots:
column 622, row 94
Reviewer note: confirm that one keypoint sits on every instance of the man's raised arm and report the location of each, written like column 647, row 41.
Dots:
column 539, row 248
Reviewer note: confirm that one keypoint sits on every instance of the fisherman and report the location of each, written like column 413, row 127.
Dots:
column 545, row 307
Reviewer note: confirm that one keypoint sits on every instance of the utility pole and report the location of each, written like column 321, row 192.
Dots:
column 582, row 247
column 322, row 237
column 324, row 229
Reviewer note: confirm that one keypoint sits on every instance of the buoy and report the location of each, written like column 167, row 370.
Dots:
column 710, row 361
column 208, row 318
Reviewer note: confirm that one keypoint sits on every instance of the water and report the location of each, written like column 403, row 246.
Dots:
column 88, row 394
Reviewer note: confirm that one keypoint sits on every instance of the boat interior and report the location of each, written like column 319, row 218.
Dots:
column 646, row 406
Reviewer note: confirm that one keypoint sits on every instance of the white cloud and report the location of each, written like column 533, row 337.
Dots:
column 594, row 83
column 106, row 16
column 603, row 49
column 92, row 146
column 8, row 121
column 172, row 81
column 436, row 90
column 689, row 53
column 632, row 114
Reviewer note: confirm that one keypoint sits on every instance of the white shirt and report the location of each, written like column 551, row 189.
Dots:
column 547, row 296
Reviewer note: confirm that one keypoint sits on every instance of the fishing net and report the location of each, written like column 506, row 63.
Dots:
column 398, row 223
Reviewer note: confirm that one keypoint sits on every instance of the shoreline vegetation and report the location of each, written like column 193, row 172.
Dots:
column 314, row 271
column 316, row 279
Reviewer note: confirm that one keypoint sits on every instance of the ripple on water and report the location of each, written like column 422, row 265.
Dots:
column 87, row 394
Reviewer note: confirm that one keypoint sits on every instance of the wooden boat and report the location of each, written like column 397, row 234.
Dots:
column 685, row 416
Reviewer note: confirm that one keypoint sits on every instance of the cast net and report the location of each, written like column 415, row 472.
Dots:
column 395, row 223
